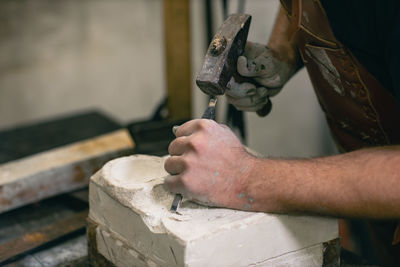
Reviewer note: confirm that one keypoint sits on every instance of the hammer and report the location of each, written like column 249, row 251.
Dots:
column 221, row 59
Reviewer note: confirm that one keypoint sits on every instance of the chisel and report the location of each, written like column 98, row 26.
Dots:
column 209, row 113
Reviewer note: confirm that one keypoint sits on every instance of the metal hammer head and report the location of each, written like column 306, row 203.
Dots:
column 222, row 54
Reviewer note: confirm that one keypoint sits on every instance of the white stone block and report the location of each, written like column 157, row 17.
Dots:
column 131, row 208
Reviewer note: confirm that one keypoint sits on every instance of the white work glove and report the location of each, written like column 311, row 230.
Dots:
column 269, row 72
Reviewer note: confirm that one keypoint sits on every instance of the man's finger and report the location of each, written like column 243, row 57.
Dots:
column 174, row 165
column 244, row 68
column 263, row 92
column 239, row 90
column 178, row 146
column 246, row 101
column 174, row 129
column 255, row 67
column 253, row 107
column 253, row 50
column 173, row 183
column 187, row 128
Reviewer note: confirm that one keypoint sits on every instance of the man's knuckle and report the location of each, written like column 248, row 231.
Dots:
column 195, row 144
column 192, row 144
column 171, row 147
column 185, row 163
column 168, row 165
column 203, row 125
column 185, row 181
column 224, row 126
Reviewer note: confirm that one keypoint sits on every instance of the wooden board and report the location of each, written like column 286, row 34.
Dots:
column 59, row 170
column 66, row 253
column 42, row 236
column 46, row 233
column 40, row 136
column 177, row 56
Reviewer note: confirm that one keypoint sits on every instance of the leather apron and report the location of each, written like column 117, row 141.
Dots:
column 360, row 111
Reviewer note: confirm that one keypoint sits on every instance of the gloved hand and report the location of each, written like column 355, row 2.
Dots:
column 258, row 63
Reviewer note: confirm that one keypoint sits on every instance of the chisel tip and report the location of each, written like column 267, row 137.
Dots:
column 176, row 203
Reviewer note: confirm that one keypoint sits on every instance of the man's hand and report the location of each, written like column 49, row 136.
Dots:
column 208, row 164
column 269, row 66
column 268, row 72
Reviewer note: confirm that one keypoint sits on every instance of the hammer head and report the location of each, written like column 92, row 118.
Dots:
column 222, row 54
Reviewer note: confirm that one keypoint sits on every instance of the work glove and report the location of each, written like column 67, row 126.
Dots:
column 268, row 75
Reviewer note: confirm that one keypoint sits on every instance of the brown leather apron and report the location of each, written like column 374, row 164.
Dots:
column 359, row 110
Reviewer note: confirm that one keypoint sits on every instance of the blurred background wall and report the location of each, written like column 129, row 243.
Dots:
column 63, row 56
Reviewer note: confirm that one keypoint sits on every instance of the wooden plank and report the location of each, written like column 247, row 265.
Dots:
column 30, row 218
column 69, row 253
column 59, row 170
column 29, row 139
column 42, row 236
column 177, row 55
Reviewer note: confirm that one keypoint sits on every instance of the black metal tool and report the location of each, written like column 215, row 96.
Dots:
column 209, row 113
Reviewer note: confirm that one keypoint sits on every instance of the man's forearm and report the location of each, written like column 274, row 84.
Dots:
column 362, row 184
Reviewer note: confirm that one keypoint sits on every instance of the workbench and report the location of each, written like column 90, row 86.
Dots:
column 52, row 231
column 48, row 233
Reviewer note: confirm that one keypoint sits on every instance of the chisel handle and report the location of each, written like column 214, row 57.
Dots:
column 209, row 113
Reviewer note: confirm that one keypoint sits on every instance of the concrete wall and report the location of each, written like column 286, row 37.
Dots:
column 59, row 56
column 66, row 55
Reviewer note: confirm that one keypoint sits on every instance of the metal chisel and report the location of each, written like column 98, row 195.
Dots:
column 209, row 113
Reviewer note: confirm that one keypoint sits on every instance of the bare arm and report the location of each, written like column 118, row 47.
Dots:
column 208, row 164
column 360, row 184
